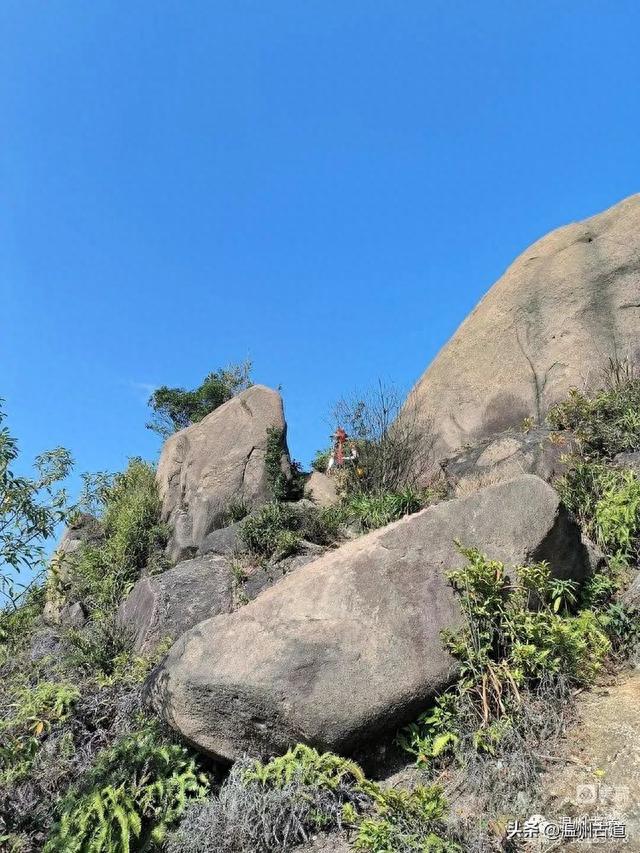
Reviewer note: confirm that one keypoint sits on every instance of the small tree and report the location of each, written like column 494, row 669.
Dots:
column 176, row 408
column 30, row 510
column 393, row 443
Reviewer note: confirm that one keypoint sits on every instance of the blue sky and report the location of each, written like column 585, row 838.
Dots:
column 326, row 188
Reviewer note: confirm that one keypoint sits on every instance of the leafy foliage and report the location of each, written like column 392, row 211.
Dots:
column 284, row 485
column 30, row 510
column 36, row 710
column 277, row 529
column 134, row 792
column 520, row 631
column 176, row 408
column 101, row 575
column 606, row 502
column 271, row 807
column 321, row 460
column 606, row 423
column 377, row 510
column 405, row 822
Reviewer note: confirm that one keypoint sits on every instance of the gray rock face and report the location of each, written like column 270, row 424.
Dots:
column 628, row 460
column 539, row 451
column 225, row 540
column 321, row 489
column 349, row 644
column 220, row 459
column 566, row 305
column 168, row 604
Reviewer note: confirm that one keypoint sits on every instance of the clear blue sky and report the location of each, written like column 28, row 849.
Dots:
column 325, row 187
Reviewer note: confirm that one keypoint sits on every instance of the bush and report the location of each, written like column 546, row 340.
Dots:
column 376, row 510
column 35, row 710
column 393, row 441
column 30, row 510
column 101, row 575
column 277, row 529
column 321, row 460
column 606, row 423
column 135, row 791
column 606, row 502
column 520, row 634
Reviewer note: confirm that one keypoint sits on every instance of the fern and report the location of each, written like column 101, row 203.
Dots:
column 135, row 792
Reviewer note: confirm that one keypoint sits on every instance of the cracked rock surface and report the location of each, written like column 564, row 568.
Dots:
column 221, row 459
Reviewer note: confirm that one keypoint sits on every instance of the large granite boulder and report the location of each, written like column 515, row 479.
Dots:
column 164, row 606
column 539, row 451
column 566, row 305
column 350, row 644
column 221, row 459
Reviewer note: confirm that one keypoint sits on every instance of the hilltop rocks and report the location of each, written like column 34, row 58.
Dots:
column 350, row 644
column 539, row 451
column 565, row 306
column 221, row 459
column 166, row 605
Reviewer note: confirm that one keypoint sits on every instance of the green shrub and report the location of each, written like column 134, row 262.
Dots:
column 265, row 807
column 606, row 502
column 520, row 632
column 276, row 529
column 376, row 510
column 17, row 623
column 321, row 460
column 406, row 822
column 237, row 509
column 135, row 791
column 283, row 486
column 606, row 423
column 35, row 710
column 101, row 575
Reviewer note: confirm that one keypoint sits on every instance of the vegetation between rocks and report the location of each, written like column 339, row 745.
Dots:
column 263, row 808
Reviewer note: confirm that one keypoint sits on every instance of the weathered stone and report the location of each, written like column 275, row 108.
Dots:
column 73, row 615
column 261, row 577
column 85, row 530
column 166, row 605
column 225, row 540
column 350, row 644
column 539, row 451
column 221, row 459
column 321, row 489
column 628, row 460
column 566, row 305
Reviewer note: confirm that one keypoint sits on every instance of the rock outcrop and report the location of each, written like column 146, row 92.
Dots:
column 350, row 644
column 206, row 466
column 166, row 605
column 85, row 530
column 538, row 451
column 566, row 305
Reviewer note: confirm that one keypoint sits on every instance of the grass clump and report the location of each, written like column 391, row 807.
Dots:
column 371, row 511
column 263, row 808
